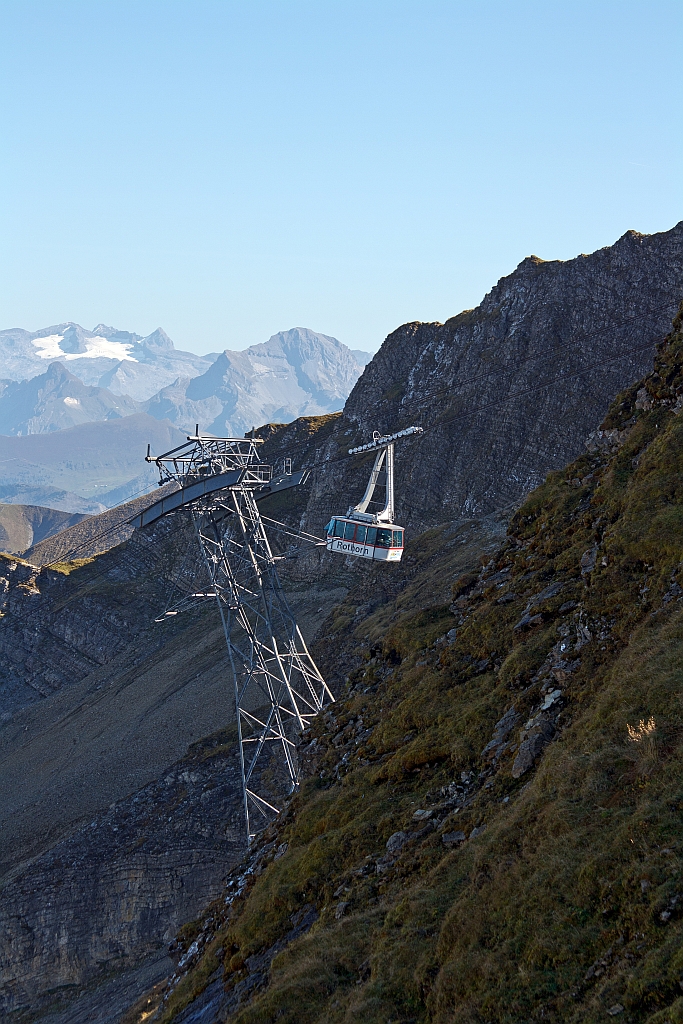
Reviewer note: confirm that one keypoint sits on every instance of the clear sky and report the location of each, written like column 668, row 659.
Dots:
column 227, row 170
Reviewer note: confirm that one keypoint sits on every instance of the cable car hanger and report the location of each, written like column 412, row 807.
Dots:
column 372, row 535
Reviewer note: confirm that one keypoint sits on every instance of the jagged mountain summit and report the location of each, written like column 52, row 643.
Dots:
column 56, row 400
column 121, row 361
column 509, row 390
column 295, row 373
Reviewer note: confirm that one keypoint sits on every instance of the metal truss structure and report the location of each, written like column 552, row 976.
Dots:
column 278, row 688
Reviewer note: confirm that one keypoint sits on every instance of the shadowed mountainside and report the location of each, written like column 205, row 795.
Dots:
column 490, row 824
column 98, row 704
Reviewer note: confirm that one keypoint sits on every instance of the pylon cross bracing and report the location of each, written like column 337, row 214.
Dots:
column 278, row 688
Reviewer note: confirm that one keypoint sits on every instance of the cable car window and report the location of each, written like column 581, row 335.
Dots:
column 372, row 535
column 361, row 532
column 330, row 527
column 349, row 530
column 338, row 528
column 384, row 538
column 398, row 538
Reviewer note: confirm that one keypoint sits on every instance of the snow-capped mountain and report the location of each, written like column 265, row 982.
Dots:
column 122, row 362
column 107, row 386
column 48, row 373
column 128, row 364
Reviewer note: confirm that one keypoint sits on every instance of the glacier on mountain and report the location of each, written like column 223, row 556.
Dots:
column 95, row 348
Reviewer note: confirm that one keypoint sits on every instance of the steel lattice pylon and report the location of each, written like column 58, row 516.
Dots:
column 278, row 688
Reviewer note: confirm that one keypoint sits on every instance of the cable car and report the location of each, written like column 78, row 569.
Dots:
column 363, row 534
column 348, row 536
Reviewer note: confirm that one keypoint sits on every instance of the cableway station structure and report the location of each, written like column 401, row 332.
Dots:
column 277, row 685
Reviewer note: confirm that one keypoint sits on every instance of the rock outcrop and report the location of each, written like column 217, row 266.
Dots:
column 511, row 389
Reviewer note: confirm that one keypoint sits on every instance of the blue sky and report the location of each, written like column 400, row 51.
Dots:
column 229, row 170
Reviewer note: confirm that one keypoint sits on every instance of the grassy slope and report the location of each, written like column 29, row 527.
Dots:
column 568, row 904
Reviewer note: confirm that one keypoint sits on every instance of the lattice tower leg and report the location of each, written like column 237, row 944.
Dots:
column 278, row 687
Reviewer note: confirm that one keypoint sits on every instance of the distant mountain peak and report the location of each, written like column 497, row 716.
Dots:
column 56, row 400
column 158, row 339
column 297, row 372
column 57, row 371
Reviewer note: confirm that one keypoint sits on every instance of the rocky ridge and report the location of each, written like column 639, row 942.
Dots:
column 510, row 390
column 539, row 702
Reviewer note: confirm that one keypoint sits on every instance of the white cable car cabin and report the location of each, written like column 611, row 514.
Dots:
column 359, row 532
column 349, row 536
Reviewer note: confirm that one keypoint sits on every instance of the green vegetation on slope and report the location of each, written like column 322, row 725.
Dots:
column 534, row 722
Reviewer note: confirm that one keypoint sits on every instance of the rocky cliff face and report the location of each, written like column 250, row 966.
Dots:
column 509, row 390
column 112, row 895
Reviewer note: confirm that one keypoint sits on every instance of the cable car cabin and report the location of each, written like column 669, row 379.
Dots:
column 381, row 542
